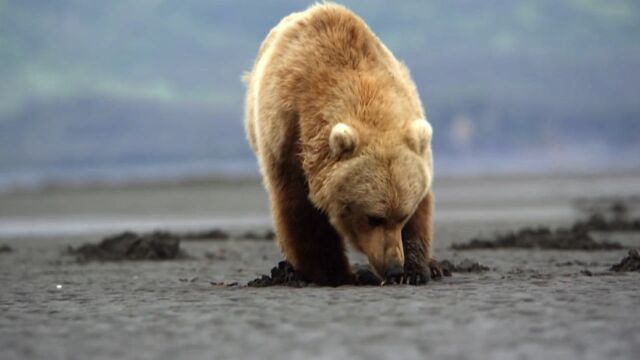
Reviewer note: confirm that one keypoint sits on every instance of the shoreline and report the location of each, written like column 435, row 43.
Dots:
column 251, row 177
column 214, row 203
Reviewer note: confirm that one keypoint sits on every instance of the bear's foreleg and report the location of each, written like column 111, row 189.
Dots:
column 305, row 236
column 417, row 235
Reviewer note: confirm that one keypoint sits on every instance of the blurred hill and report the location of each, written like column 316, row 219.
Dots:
column 512, row 85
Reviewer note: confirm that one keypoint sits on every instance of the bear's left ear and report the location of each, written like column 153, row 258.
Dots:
column 419, row 137
column 343, row 140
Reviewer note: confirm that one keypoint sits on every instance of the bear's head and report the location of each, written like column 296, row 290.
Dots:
column 374, row 186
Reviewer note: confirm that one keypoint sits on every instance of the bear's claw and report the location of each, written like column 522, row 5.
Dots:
column 420, row 275
column 416, row 278
column 436, row 271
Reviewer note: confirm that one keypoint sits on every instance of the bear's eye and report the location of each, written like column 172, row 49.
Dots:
column 375, row 221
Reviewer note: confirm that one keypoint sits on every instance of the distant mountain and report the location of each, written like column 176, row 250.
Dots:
column 125, row 82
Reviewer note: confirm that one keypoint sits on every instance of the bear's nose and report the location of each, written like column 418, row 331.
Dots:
column 394, row 273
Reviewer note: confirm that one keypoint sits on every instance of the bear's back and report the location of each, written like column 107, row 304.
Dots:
column 320, row 67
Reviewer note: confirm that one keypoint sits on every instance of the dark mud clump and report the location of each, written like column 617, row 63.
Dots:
column 285, row 275
column 607, row 214
column 465, row 266
column 213, row 234
column 282, row 275
column 131, row 246
column 604, row 215
column 266, row 235
column 599, row 222
column 629, row 263
column 5, row 249
column 574, row 238
column 219, row 234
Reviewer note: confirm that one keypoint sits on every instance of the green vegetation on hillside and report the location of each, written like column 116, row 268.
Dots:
column 543, row 66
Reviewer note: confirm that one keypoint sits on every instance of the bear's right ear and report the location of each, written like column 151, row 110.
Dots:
column 419, row 137
column 343, row 140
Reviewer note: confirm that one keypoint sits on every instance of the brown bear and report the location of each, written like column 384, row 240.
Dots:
column 343, row 146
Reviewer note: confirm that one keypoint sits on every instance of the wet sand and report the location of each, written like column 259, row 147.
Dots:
column 532, row 304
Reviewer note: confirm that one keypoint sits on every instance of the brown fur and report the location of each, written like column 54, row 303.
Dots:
column 334, row 120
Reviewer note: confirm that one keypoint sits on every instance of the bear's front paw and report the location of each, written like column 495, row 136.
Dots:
column 415, row 274
column 416, row 267
column 419, row 273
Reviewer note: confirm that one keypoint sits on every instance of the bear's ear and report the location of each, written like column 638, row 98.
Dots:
column 419, row 137
column 343, row 140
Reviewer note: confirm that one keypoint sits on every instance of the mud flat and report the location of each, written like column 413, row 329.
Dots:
column 534, row 302
column 530, row 303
